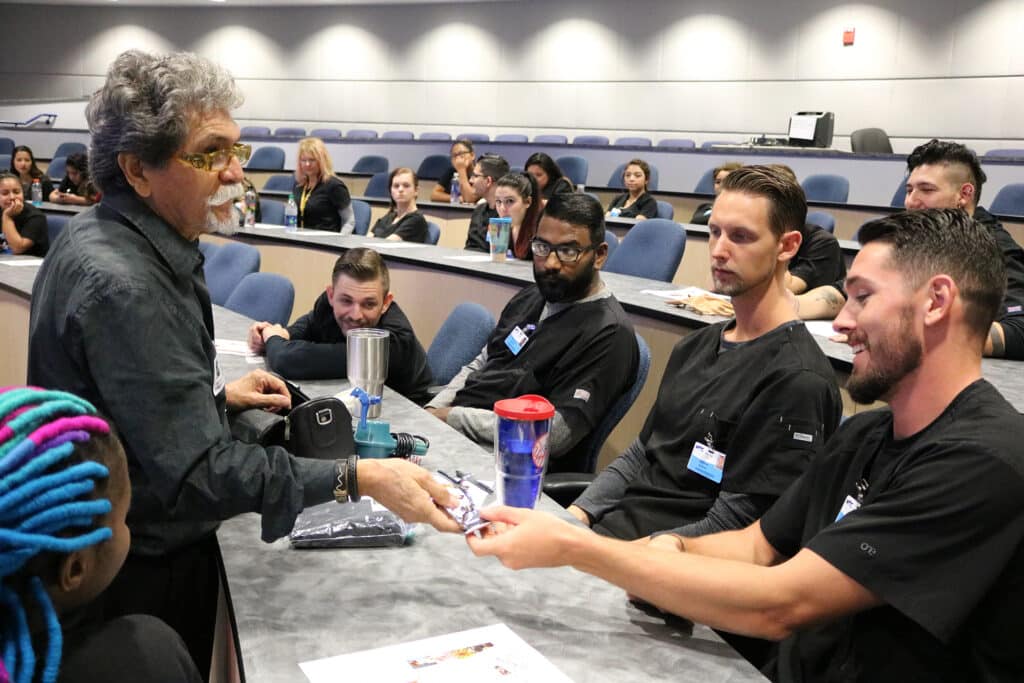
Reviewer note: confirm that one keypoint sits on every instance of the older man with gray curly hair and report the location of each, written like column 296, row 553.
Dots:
column 121, row 315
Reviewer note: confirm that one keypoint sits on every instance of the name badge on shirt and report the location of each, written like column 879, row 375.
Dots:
column 707, row 462
column 849, row 505
column 516, row 340
column 218, row 377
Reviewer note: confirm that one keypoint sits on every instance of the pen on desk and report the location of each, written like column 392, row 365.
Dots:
column 472, row 480
column 449, row 477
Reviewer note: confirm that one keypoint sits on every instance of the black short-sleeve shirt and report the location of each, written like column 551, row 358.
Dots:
column 476, row 237
column 560, row 186
column 645, row 205
column 939, row 539
column 819, row 261
column 323, row 205
column 31, row 224
column 412, row 227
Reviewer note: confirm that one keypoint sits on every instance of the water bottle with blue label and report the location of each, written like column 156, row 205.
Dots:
column 456, row 189
column 291, row 215
column 37, row 192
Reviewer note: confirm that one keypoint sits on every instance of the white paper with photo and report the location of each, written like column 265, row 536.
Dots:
column 489, row 653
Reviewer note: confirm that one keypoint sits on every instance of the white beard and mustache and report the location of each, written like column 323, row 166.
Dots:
column 228, row 225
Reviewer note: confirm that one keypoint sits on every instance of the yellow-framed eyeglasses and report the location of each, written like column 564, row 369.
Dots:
column 219, row 159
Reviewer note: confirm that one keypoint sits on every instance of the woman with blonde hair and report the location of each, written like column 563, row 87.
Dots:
column 322, row 198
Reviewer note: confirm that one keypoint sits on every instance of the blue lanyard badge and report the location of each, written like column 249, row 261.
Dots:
column 707, row 462
column 517, row 338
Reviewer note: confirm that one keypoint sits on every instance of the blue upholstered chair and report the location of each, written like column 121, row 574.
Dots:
column 55, row 223
column 370, row 163
column 613, row 241
column 433, row 166
column 267, row 158
column 633, row 142
column 326, row 134
column 263, row 297
column 511, row 137
column 822, row 219
column 461, row 337
column 255, row 131
column 397, row 135
column 271, row 211
column 56, row 170
column 377, row 186
column 870, row 141
column 433, row 232
column 208, row 249
column 899, row 197
column 361, row 134
column 281, row 182
column 615, row 180
column 652, row 249
column 362, row 214
column 474, row 137
column 226, row 268
column 290, row 131
column 1009, row 200
column 590, row 140
column 1004, row 153
column 550, row 139
column 826, row 187
column 5, row 162
column 706, row 184
column 677, row 143
column 666, row 210
column 437, row 136
column 66, row 149
column 576, row 168
column 7, row 147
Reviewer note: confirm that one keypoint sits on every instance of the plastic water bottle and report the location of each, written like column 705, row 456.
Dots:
column 456, row 190
column 291, row 215
column 37, row 192
column 250, row 208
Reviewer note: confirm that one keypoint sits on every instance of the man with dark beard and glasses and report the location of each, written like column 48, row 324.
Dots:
column 898, row 555
column 565, row 337
column 744, row 405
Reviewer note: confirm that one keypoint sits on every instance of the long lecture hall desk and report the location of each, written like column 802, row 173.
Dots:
column 289, row 606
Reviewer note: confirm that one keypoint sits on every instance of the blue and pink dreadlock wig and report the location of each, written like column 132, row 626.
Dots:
column 47, row 505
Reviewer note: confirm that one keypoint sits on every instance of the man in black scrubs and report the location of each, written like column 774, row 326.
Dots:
column 359, row 295
column 744, row 405
column 486, row 171
column 565, row 337
column 898, row 555
column 121, row 316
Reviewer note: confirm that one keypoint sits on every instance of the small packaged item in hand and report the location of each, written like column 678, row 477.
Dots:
column 470, row 495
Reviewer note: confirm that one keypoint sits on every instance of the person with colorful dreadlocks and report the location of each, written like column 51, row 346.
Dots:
column 64, row 495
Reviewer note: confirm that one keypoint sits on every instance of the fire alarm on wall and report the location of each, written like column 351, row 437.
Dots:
column 848, row 36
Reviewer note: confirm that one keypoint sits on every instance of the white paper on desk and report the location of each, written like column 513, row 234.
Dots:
column 233, row 347
column 490, row 653
column 28, row 261
column 397, row 245
column 684, row 293
column 470, row 257
column 820, row 328
column 315, row 233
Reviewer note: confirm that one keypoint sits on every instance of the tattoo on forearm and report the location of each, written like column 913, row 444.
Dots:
column 832, row 299
column 998, row 344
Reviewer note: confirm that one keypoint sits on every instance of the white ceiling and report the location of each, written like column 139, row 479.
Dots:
column 239, row 3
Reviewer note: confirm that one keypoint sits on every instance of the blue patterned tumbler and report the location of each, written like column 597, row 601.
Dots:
column 521, row 448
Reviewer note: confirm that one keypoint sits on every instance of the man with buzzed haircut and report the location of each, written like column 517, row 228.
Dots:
column 486, row 171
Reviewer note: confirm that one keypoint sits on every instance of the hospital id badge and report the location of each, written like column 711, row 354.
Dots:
column 707, row 462
column 849, row 505
column 516, row 340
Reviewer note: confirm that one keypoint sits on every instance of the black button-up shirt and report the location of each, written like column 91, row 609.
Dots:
column 121, row 316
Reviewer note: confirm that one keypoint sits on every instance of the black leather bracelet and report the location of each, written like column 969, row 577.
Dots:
column 341, row 489
column 352, row 479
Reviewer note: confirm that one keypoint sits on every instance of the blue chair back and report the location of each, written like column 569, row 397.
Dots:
column 615, row 180
column 5, row 162
column 511, row 137
column 7, row 147
column 281, row 182
column 474, row 137
column 267, row 158
column 826, row 187
column 290, row 131
column 1009, row 200
column 55, row 223
column 899, row 197
column 377, row 186
column 633, row 142
column 433, row 232
column 621, row 406
column 362, row 214
column 255, row 131
column 666, row 210
column 652, row 249
column 551, row 139
column 370, row 163
column 1006, row 152
column 263, row 297
column 271, row 211
column 226, row 268
column 706, row 184
column 822, row 219
column 461, row 337
column 208, row 249
column 433, row 166
column 590, row 140
column 677, row 143
column 66, row 149
column 576, row 168
column 436, row 136
column 613, row 241
column 397, row 135
column 362, row 134
column 56, row 170
column 326, row 134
